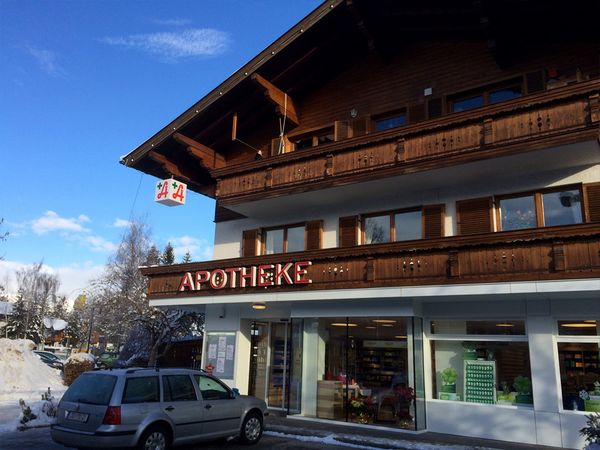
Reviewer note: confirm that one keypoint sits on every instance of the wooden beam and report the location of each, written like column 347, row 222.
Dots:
column 169, row 166
column 285, row 106
column 234, row 127
column 208, row 157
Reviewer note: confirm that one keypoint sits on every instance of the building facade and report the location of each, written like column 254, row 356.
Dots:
column 407, row 221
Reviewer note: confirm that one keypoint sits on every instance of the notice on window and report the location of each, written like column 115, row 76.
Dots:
column 480, row 382
column 220, row 353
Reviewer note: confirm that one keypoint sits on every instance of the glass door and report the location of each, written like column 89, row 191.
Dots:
column 258, row 361
column 279, row 365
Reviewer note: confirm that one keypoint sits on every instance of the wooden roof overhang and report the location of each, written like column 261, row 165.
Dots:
column 324, row 43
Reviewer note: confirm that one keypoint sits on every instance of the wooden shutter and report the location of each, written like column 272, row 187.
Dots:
column 249, row 241
column 348, row 231
column 474, row 215
column 416, row 113
column 434, row 108
column 591, row 198
column 359, row 127
column 433, row 221
column 534, row 81
column 340, row 130
column 314, row 233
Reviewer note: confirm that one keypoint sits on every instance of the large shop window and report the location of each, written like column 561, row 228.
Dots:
column 481, row 361
column 369, row 370
column 578, row 356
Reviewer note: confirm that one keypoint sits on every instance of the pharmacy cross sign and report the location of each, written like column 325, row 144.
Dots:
column 170, row 192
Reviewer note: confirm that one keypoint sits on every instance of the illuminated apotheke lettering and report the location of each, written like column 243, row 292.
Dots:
column 264, row 275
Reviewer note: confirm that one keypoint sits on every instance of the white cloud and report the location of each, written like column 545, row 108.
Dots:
column 47, row 61
column 73, row 278
column 169, row 46
column 83, row 218
column 199, row 249
column 96, row 243
column 121, row 223
column 51, row 221
column 172, row 22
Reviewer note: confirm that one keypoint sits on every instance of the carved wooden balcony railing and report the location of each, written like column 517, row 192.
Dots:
column 566, row 252
column 561, row 116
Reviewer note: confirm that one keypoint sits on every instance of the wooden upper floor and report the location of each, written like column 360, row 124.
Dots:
column 362, row 89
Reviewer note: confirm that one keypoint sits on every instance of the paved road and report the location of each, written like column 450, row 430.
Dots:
column 39, row 439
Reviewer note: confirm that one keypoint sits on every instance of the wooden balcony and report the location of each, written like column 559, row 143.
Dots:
column 561, row 116
column 566, row 252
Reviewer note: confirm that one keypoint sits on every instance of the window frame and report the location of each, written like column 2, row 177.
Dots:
column 264, row 231
column 570, row 339
column 538, row 204
column 391, row 214
column 313, row 135
column 401, row 112
column 484, row 91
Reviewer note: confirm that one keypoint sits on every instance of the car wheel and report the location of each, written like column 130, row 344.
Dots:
column 252, row 429
column 154, row 438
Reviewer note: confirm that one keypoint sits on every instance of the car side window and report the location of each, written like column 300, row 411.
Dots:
column 211, row 389
column 141, row 390
column 178, row 388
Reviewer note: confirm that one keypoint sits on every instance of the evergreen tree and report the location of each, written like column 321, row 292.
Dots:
column 22, row 324
column 153, row 258
column 168, row 256
column 187, row 258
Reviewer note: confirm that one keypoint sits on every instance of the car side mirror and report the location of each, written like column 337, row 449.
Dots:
column 236, row 392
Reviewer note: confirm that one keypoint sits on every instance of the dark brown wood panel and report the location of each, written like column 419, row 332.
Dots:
column 249, row 242
column 348, row 233
column 433, row 221
column 314, row 234
column 591, row 194
column 474, row 215
column 557, row 253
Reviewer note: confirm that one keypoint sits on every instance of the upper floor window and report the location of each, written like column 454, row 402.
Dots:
column 396, row 226
column 283, row 240
column 388, row 121
column 537, row 209
column 486, row 96
column 319, row 137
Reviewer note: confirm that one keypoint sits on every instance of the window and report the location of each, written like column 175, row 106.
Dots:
column 396, row 226
column 178, row 388
column 552, row 207
column 211, row 389
column 91, row 388
column 141, row 390
column 284, row 240
column 487, row 95
column 319, row 137
column 390, row 121
column 579, row 364
column 481, row 361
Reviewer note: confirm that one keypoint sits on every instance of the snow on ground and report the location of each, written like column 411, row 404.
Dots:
column 360, row 442
column 23, row 374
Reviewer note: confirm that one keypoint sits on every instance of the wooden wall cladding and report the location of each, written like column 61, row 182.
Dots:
column 566, row 112
column 555, row 253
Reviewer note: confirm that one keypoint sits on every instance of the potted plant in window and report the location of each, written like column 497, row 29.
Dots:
column 448, row 388
column 470, row 351
column 523, row 387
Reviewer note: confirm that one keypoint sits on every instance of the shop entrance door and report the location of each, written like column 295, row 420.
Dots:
column 269, row 364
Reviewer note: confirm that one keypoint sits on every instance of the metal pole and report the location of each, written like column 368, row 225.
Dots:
column 90, row 330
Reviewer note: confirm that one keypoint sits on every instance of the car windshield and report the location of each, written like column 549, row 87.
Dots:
column 91, row 388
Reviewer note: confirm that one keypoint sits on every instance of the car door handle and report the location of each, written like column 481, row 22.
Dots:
column 169, row 408
column 208, row 406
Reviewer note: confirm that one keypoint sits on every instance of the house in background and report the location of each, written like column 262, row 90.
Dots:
column 407, row 222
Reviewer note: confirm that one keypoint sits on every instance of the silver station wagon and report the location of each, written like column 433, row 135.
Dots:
column 154, row 409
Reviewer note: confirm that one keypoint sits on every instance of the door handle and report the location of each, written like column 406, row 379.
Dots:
column 169, row 408
column 208, row 406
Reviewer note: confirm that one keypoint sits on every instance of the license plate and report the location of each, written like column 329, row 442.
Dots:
column 77, row 416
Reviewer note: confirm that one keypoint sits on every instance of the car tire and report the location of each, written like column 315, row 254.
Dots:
column 154, row 438
column 252, row 428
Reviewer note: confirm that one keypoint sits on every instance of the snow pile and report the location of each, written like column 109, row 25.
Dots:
column 22, row 373
column 80, row 357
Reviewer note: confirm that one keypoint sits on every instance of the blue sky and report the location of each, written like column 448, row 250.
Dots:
column 82, row 83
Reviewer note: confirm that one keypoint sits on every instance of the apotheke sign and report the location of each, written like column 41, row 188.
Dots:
column 241, row 277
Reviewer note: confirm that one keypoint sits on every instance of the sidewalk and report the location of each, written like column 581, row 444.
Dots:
column 332, row 432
